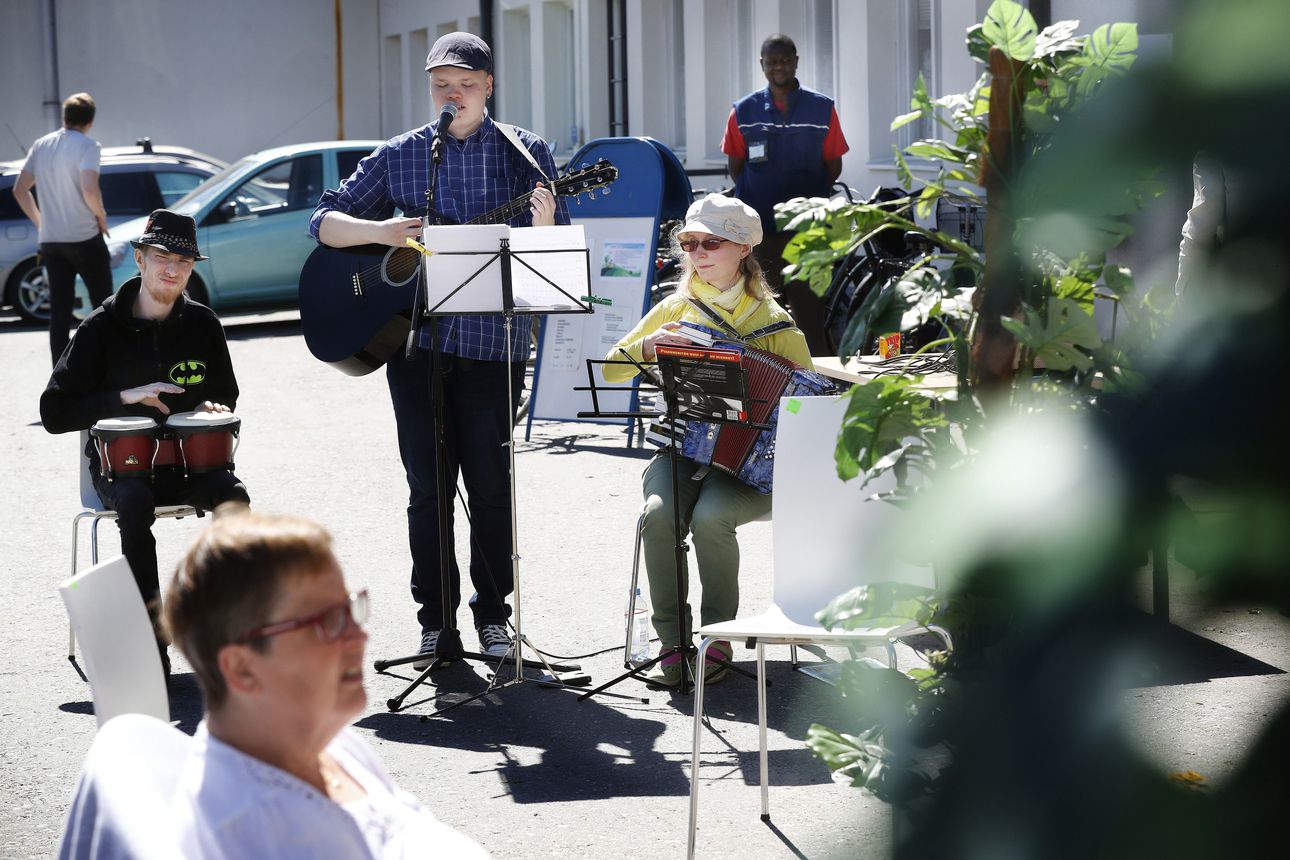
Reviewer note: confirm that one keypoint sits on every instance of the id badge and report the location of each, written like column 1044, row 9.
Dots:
column 757, row 151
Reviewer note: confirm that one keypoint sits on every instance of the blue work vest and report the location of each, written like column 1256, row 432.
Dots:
column 794, row 165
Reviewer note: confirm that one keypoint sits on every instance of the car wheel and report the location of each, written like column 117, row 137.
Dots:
column 197, row 291
column 29, row 292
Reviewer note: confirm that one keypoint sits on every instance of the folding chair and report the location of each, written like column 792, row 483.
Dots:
column 92, row 509
column 121, row 658
column 823, row 531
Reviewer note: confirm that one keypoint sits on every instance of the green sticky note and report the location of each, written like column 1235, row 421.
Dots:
column 793, row 405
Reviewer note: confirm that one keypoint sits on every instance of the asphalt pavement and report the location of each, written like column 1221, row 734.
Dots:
column 527, row 771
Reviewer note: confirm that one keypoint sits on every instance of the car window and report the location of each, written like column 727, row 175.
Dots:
column 174, row 184
column 8, row 203
column 347, row 160
column 282, row 187
column 212, row 187
column 128, row 193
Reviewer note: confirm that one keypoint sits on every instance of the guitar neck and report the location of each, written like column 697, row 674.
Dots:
column 518, row 206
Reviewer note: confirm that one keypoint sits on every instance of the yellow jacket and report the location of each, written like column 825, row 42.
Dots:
column 790, row 342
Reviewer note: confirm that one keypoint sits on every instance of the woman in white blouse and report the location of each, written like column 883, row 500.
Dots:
column 260, row 608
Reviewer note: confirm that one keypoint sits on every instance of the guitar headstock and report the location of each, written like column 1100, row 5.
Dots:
column 586, row 179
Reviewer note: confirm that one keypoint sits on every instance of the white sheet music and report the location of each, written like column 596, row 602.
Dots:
column 552, row 281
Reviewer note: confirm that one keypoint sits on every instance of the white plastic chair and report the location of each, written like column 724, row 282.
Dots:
column 94, row 511
column 121, row 807
column 121, row 656
column 822, row 532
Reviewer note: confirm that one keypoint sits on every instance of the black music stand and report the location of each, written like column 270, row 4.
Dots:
column 484, row 282
column 693, row 389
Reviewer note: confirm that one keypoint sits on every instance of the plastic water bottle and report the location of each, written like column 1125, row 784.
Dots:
column 639, row 626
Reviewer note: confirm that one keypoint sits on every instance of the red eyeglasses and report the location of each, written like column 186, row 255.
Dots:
column 711, row 243
column 329, row 623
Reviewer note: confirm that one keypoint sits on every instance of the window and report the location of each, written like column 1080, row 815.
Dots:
column 560, row 123
column 392, row 89
column 515, row 71
column 662, row 46
column 347, row 161
column 174, row 184
column 128, row 192
column 917, row 56
column 281, row 187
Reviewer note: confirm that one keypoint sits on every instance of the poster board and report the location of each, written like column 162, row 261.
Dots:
column 622, row 268
column 619, row 222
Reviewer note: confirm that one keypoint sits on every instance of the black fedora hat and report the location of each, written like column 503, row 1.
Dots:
column 171, row 232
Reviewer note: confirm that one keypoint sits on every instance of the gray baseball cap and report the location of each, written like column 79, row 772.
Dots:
column 462, row 51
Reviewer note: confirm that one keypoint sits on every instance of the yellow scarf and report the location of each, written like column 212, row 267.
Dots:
column 735, row 301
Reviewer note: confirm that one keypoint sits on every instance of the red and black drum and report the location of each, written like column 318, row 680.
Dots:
column 206, row 441
column 127, row 446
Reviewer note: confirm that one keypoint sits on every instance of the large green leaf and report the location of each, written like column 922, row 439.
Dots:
column 1110, row 51
column 879, row 604
column 977, row 44
column 1061, row 338
column 881, row 415
column 1057, row 38
column 1011, row 28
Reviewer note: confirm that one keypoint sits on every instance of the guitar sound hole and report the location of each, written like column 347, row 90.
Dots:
column 399, row 266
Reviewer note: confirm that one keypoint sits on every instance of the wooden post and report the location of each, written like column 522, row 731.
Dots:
column 993, row 347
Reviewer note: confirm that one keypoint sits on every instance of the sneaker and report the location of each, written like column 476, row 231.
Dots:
column 429, row 645
column 666, row 672
column 494, row 640
column 712, row 670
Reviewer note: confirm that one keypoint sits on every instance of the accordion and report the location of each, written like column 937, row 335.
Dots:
column 748, row 453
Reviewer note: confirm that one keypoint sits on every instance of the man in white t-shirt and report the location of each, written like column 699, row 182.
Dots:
column 70, row 219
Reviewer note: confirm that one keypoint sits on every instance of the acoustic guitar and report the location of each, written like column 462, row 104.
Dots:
column 356, row 303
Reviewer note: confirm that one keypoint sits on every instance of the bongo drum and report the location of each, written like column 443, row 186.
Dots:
column 206, row 440
column 126, row 446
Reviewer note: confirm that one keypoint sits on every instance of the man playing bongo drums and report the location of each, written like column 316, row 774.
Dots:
column 148, row 352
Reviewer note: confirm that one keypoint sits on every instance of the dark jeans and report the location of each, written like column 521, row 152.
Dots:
column 63, row 262
column 477, row 427
column 797, row 297
column 134, row 499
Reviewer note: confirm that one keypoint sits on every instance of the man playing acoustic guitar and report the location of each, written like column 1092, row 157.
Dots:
column 481, row 170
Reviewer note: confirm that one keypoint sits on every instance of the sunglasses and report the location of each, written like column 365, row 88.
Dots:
column 329, row 623
column 712, row 243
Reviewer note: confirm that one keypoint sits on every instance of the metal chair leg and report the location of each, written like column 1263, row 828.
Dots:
column 792, row 657
column 694, row 755
column 631, row 593
column 761, row 727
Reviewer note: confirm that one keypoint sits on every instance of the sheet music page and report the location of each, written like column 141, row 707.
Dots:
column 458, row 253
column 564, row 265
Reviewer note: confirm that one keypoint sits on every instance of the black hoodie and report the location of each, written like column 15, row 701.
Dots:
column 113, row 350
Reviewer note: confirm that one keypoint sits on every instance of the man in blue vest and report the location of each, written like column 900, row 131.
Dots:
column 782, row 142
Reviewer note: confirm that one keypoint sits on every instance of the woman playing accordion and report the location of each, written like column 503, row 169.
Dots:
column 722, row 284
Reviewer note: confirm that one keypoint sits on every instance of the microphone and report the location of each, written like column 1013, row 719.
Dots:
column 446, row 116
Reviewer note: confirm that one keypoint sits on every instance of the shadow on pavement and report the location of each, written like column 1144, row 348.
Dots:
column 1179, row 656
column 594, row 750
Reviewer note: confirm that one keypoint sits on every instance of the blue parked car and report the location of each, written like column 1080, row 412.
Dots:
column 252, row 221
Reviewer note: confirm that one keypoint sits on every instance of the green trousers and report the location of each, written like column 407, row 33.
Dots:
column 711, row 509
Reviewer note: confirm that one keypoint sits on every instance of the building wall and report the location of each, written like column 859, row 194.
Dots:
column 226, row 78
column 240, row 75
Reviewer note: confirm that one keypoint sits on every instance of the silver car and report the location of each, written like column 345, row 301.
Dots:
column 134, row 181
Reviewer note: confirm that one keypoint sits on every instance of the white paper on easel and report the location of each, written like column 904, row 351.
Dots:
column 469, row 255
column 562, row 263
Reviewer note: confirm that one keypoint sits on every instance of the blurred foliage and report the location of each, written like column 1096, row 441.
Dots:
column 1038, row 513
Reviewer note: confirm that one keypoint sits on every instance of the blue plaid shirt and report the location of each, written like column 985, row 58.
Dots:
column 478, row 174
